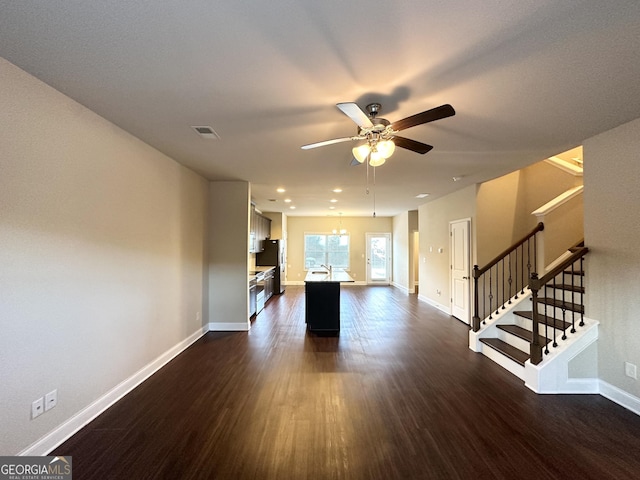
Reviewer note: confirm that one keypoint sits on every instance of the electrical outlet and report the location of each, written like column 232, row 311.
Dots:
column 630, row 370
column 50, row 400
column 198, row 318
column 37, row 408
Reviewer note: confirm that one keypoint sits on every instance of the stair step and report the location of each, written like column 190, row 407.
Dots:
column 564, row 286
column 574, row 272
column 560, row 324
column 554, row 302
column 522, row 333
column 507, row 350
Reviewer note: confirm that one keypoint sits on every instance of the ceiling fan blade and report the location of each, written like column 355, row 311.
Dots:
column 412, row 145
column 329, row 142
column 354, row 162
column 355, row 113
column 443, row 111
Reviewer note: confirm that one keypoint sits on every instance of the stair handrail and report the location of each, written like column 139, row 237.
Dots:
column 535, row 284
column 538, row 283
column 479, row 272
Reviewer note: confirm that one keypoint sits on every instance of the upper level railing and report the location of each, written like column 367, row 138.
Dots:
column 570, row 305
column 504, row 277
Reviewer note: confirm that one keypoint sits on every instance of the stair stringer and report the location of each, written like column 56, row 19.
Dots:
column 489, row 328
column 552, row 374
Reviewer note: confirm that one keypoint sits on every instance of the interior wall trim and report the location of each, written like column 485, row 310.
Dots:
column 619, row 396
column 444, row 308
column 229, row 327
column 64, row 431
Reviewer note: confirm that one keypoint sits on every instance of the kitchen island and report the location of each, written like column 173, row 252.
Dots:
column 322, row 300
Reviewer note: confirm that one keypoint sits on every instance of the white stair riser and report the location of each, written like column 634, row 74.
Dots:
column 513, row 340
column 503, row 361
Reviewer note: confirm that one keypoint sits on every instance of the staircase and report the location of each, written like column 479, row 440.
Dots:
column 538, row 331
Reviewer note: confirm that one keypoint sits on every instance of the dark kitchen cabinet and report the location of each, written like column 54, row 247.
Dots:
column 259, row 230
column 322, row 307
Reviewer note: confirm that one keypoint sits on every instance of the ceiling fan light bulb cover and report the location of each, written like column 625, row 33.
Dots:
column 376, row 160
column 386, row 148
column 361, row 152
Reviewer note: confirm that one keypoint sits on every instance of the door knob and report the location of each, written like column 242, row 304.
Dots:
column 465, row 278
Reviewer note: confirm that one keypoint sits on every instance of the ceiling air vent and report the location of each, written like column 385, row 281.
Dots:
column 207, row 132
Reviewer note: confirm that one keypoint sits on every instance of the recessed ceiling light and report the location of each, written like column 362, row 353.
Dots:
column 332, row 207
column 422, row 195
column 337, row 190
column 333, row 200
column 280, row 190
column 287, row 200
column 458, row 178
column 292, row 207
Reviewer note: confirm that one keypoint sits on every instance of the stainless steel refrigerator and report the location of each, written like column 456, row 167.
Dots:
column 273, row 256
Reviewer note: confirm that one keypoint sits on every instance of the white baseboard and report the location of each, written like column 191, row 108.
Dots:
column 400, row 287
column 620, row 397
column 444, row 308
column 70, row 427
column 229, row 327
column 345, row 284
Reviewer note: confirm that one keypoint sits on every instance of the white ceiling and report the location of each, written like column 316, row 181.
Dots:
column 528, row 79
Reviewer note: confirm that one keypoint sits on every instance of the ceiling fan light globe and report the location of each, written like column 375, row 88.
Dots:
column 386, row 148
column 376, row 159
column 361, row 152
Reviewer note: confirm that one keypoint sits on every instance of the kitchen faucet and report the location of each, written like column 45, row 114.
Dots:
column 328, row 268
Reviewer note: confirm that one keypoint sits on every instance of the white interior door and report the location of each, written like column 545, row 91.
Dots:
column 460, row 272
column 379, row 258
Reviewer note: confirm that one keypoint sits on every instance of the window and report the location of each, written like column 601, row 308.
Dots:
column 327, row 249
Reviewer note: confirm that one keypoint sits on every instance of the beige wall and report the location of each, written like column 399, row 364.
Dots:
column 102, row 247
column 230, row 210
column 357, row 228
column 434, row 218
column 498, row 214
column 612, row 230
column 505, row 206
column 401, row 251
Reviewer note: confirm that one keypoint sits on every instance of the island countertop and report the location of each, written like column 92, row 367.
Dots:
column 322, row 276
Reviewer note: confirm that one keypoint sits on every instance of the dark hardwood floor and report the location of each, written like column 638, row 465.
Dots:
column 398, row 395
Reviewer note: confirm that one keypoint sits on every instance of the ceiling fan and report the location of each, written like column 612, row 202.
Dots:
column 380, row 135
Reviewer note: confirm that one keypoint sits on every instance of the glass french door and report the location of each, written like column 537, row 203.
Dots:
column 379, row 258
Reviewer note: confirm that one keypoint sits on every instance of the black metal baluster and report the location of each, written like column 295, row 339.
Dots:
column 490, row 294
column 581, row 292
column 573, row 299
column 517, row 287
column 504, row 298
column 510, row 280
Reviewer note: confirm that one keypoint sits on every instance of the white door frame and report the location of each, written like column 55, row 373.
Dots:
column 460, row 271
column 387, row 280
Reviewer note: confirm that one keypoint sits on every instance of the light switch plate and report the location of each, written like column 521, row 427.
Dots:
column 37, row 408
column 50, row 400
